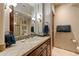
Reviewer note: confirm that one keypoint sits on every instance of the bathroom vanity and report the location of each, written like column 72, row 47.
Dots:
column 22, row 19
column 36, row 46
column 43, row 50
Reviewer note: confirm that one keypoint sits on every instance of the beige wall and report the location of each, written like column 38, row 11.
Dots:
column 1, row 24
column 2, row 44
column 68, row 15
column 7, row 19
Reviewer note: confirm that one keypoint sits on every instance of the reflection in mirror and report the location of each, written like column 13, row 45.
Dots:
column 28, row 20
column 22, row 20
column 25, row 20
column 37, row 19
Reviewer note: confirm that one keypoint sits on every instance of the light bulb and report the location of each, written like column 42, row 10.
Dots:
column 38, row 16
column 15, row 4
column 10, row 10
column 14, row 23
column 33, row 18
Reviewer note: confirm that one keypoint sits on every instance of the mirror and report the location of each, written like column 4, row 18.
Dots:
column 28, row 20
column 22, row 20
column 37, row 19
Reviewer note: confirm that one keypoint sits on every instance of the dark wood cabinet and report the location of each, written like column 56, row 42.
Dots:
column 43, row 50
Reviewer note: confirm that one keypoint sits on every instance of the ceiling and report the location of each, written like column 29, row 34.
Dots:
column 70, row 4
column 56, row 5
column 25, row 8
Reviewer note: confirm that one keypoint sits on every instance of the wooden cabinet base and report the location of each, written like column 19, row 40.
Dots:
column 43, row 50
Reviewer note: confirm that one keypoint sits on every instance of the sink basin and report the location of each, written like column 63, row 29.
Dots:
column 30, row 40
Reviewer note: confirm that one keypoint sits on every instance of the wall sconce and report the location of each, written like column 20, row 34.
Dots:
column 13, row 4
column 10, row 10
column 39, row 18
column 14, row 23
column 7, row 6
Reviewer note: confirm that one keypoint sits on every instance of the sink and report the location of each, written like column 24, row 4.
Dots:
column 30, row 40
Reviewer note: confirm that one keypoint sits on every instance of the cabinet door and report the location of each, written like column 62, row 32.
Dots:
column 43, row 52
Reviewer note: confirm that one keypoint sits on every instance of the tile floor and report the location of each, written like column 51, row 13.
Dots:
column 61, row 52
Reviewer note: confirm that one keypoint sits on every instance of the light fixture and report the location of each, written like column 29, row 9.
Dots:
column 38, row 16
column 33, row 18
column 10, row 10
column 14, row 23
column 8, row 4
column 14, row 4
column 7, row 7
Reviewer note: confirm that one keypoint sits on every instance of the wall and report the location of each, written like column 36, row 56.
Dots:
column 2, row 44
column 47, row 13
column 1, row 23
column 7, row 19
column 68, row 15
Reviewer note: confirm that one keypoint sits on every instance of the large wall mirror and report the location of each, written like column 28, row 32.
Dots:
column 22, row 20
column 28, row 20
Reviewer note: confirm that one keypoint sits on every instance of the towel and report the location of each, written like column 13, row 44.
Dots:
column 32, row 29
column 9, row 38
column 46, row 29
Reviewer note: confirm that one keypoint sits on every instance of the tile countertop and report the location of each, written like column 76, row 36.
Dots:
column 24, row 46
